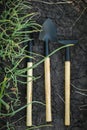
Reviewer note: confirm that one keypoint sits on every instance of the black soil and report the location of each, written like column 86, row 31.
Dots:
column 71, row 22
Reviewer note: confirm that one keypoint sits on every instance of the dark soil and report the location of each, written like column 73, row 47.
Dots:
column 71, row 22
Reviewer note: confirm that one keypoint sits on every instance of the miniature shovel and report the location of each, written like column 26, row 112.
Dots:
column 67, row 79
column 29, row 84
column 48, row 34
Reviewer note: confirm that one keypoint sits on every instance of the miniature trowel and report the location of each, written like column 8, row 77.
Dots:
column 29, row 83
column 48, row 34
column 67, row 79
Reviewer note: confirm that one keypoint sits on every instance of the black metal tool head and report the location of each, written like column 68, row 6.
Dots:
column 49, row 31
column 67, row 50
column 30, row 45
column 68, row 41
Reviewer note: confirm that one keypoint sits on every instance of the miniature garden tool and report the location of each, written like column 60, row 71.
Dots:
column 29, row 84
column 67, row 79
column 48, row 34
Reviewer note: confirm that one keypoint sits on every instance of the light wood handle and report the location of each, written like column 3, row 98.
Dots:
column 48, row 89
column 29, row 94
column 67, row 93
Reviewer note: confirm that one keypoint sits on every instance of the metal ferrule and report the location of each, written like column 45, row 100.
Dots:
column 46, row 47
column 67, row 54
column 30, row 49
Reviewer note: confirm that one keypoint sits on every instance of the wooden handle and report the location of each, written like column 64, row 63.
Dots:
column 29, row 94
column 67, row 93
column 48, row 89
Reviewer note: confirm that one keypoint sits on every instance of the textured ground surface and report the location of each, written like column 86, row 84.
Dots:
column 70, row 20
